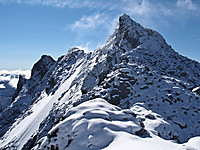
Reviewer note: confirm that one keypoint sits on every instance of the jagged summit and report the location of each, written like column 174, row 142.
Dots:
column 42, row 66
column 149, row 47
column 125, row 16
column 136, row 89
column 129, row 35
column 125, row 19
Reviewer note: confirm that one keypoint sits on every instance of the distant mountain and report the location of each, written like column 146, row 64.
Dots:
column 135, row 92
column 8, row 85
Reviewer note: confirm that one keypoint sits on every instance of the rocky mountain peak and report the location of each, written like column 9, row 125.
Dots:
column 129, row 35
column 73, row 50
column 42, row 66
column 149, row 48
column 125, row 20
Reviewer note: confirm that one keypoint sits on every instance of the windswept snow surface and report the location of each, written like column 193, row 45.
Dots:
column 2, row 86
column 96, row 124
column 129, row 142
column 194, row 142
column 20, row 132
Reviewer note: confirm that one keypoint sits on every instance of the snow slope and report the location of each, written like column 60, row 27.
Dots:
column 96, row 124
column 22, row 131
column 135, row 91
column 25, row 93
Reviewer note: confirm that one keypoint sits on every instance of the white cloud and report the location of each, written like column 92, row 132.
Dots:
column 54, row 3
column 152, row 13
column 147, row 12
column 186, row 4
column 88, row 22
column 143, row 8
column 84, row 47
column 90, row 46
column 87, row 26
column 91, row 4
column 10, row 1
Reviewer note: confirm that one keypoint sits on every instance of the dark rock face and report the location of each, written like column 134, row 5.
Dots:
column 142, row 132
column 6, row 95
column 38, row 72
column 21, row 82
column 125, row 35
column 41, row 67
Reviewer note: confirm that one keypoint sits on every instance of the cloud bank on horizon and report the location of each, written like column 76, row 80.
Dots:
column 101, row 17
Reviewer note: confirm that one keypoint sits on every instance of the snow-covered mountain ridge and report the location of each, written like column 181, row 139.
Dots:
column 135, row 89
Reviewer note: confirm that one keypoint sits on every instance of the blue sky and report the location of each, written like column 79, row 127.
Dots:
column 30, row 28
